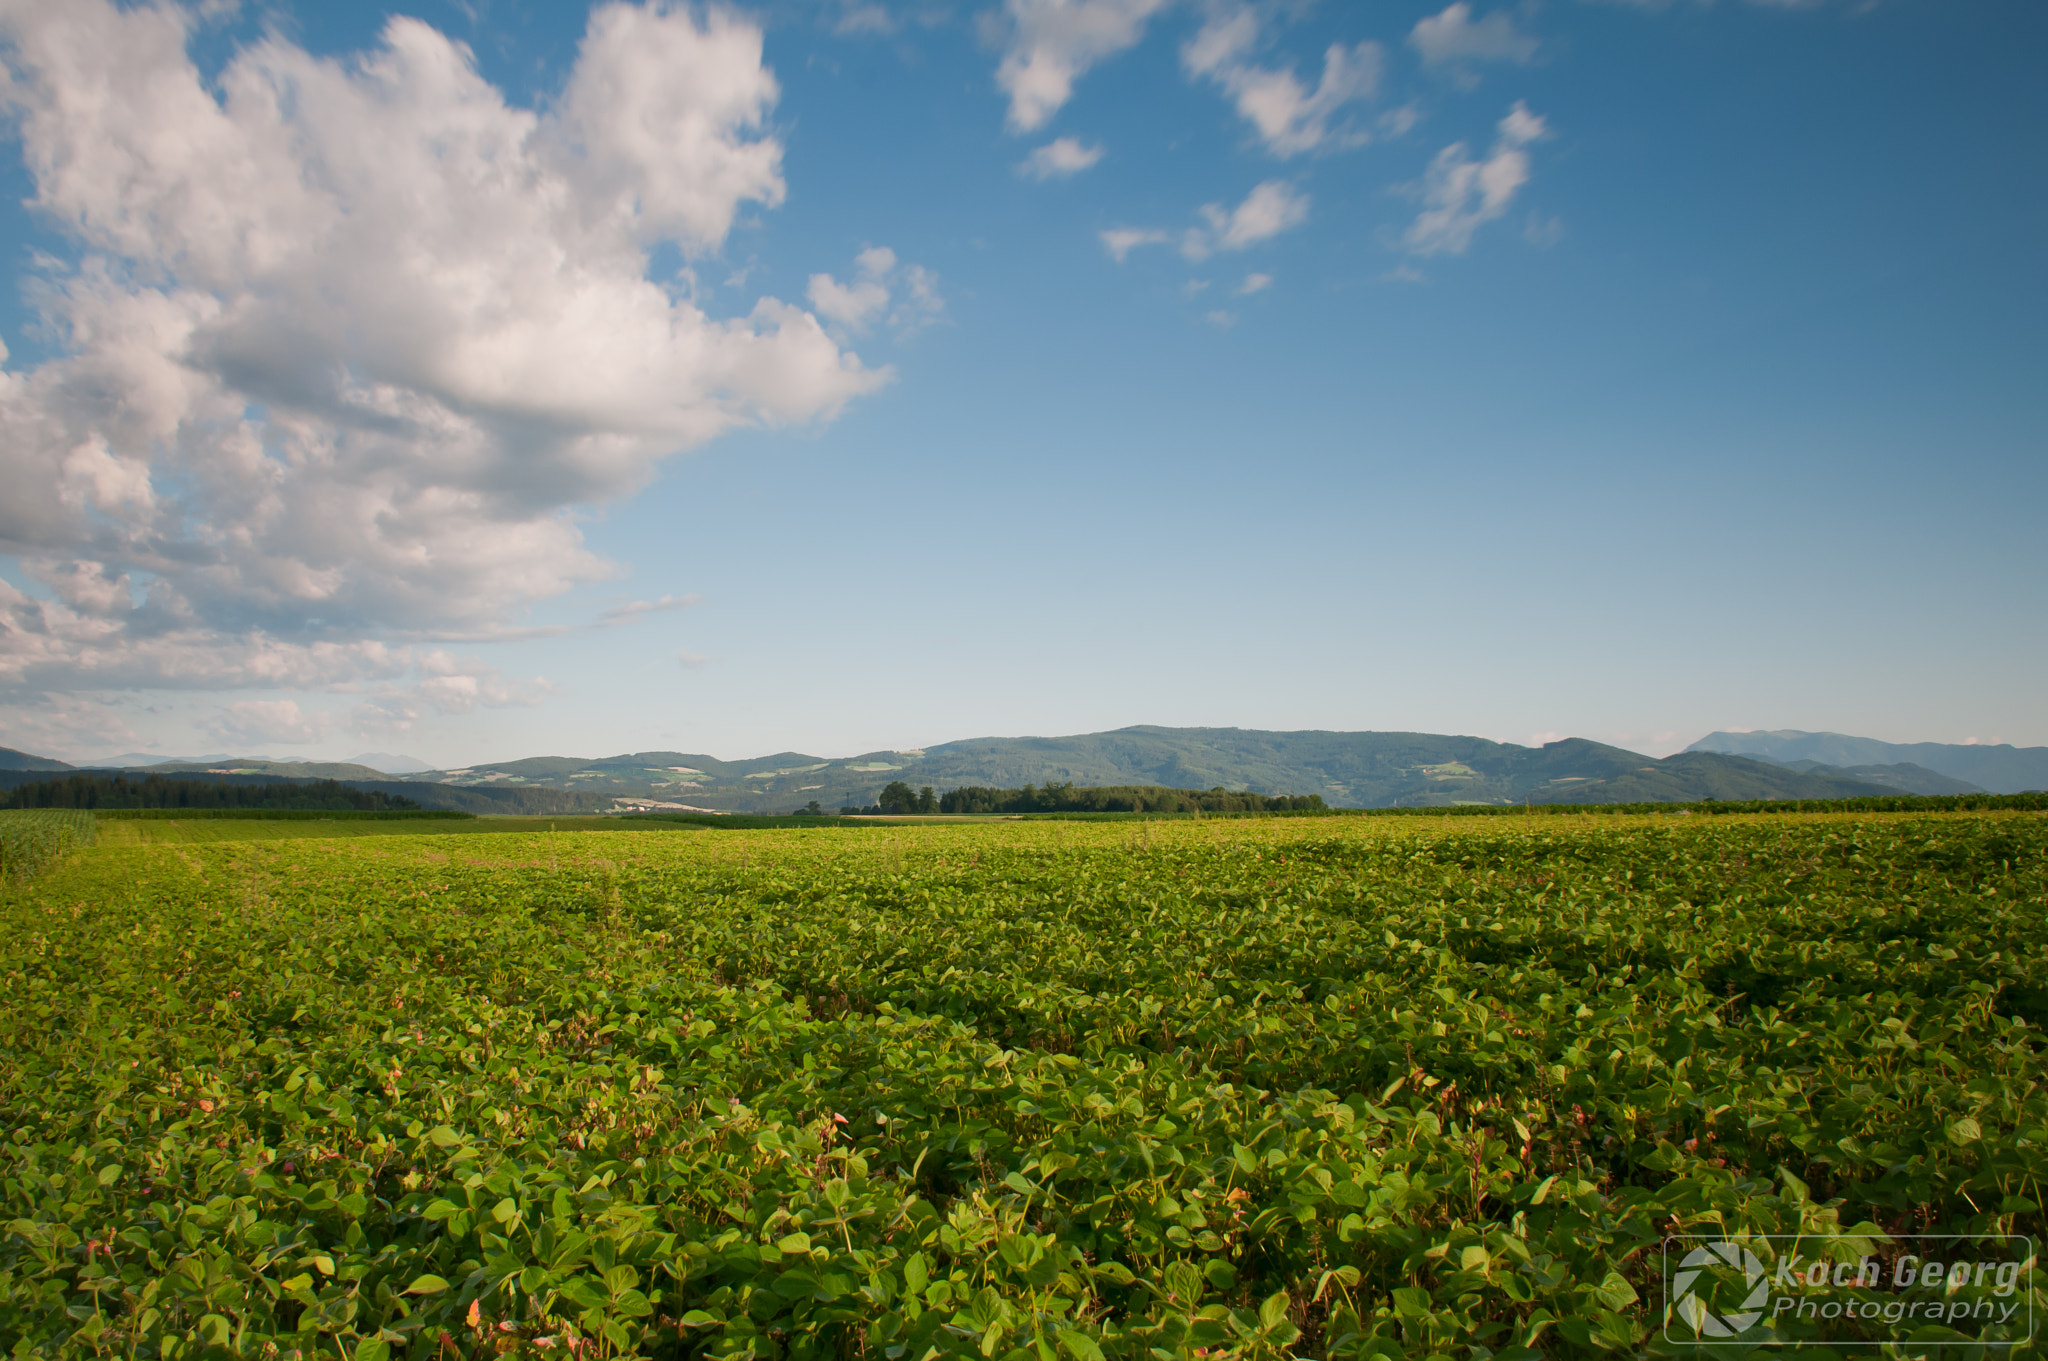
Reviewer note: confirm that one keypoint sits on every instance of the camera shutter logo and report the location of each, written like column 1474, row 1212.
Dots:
column 1694, row 1311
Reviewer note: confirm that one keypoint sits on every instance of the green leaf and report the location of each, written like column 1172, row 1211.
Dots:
column 1409, row 1302
column 1079, row 1345
column 426, row 1285
column 1616, row 1293
column 444, row 1136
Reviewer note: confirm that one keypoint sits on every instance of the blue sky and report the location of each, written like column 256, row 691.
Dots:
column 520, row 379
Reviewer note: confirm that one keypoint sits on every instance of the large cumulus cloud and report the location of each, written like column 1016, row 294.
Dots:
column 345, row 343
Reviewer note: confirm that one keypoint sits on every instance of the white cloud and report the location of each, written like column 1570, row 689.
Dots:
column 1059, row 158
column 865, row 19
column 262, row 721
column 1254, row 283
column 1290, row 117
column 1398, row 122
column 1460, row 194
column 1220, row 319
column 1770, row 4
column 1049, row 44
column 852, row 305
column 634, row 609
column 1453, row 37
column 877, row 282
column 66, row 725
column 351, row 339
column 1121, row 241
column 861, row 18
column 1268, row 210
column 448, row 688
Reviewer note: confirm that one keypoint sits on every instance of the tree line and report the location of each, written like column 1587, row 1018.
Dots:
column 898, row 798
column 157, row 791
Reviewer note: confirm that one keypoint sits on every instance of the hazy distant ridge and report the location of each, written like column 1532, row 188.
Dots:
column 1348, row 769
column 2001, row 769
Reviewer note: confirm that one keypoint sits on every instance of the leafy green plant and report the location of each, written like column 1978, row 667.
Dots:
column 32, row 840
column 1114, row 1090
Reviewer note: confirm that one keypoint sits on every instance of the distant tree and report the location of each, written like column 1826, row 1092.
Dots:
column 812, row 810
column 154, row 791
column 927, row 802
column 897, row 798
column 1066, row 798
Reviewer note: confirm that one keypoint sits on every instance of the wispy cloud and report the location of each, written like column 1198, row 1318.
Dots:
column 636, row 609
column 1454, row 38
column 1268, row 210
column 1049, row 44
column 878, row 282
column 1290, row 117
column 1460, row 194
column 1060, row 158
column 265, row 721
column 1121, row 241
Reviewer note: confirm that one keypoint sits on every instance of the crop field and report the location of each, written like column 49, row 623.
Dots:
column 191, row 830
column 1045, row 1091
column 32, row 840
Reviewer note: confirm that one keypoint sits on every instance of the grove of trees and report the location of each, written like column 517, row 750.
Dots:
column 1065, row 798
column 157, row 791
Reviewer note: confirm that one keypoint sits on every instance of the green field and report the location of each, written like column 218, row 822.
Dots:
column 1315, row 1087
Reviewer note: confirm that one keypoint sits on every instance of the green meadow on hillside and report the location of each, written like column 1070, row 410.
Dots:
column 1401, row 1087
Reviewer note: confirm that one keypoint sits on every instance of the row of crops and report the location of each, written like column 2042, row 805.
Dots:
column 31, row 841
column 1316, row 1088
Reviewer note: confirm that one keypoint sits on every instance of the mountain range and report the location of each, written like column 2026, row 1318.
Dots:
column 1349, row 769
column 1999, row 768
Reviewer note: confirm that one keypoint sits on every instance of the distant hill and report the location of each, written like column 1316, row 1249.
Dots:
column 2001, row 769
column 390, row 763
column 1347, row 769
column 1905, row 777
column 10, row 759
column 144, row 760
column 1355, row 769
column 257, row 765
column 529, row 801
